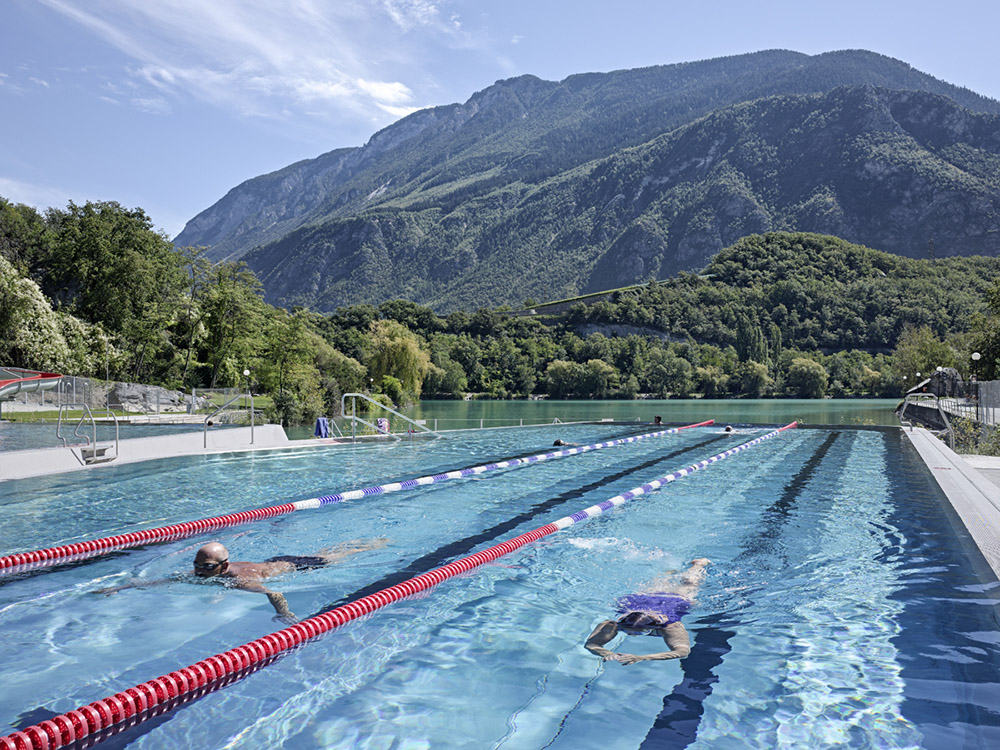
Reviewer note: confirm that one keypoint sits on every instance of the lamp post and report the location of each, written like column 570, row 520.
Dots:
column 976, row 356
column 246, row 374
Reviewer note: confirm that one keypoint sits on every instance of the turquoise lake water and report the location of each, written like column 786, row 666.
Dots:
column 456, row 415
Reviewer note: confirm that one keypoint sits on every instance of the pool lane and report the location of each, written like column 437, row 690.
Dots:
column 47, row 558
column 676, row 726
column 463, row 546
column 8, row 575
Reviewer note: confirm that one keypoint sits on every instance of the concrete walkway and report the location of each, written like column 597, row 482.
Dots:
column 972, row 485
column 45, row 461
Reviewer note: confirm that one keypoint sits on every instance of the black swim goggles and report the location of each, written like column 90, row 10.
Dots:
column 208, row 567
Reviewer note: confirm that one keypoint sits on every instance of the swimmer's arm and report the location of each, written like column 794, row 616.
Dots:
column 602, row 634
column 676, row 637
column 136, row 583
column 276, row 598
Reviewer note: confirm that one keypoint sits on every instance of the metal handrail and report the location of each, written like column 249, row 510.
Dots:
column 89, row 416
column 937, row 404
column 355, row 419
column 221, row 408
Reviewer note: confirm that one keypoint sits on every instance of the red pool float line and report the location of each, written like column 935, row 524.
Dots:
column 146, row 700
column 94, row 547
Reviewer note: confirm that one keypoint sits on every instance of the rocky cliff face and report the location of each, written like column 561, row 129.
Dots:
column 541, row 189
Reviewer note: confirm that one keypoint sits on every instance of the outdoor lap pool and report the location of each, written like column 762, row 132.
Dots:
column 843, row 607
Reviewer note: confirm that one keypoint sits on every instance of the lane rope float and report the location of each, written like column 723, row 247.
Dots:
column 132, row 703
column 22, row 561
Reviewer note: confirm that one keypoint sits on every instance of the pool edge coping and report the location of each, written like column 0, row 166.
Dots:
column 973, row 497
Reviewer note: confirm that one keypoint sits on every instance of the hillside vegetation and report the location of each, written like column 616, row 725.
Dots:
column 776, row 314
column 542, row 189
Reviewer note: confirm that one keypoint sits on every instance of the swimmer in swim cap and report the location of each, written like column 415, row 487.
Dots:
column 656, row 610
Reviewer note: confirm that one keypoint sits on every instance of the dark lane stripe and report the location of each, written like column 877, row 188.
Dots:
column 462, row 546
column 676, row 726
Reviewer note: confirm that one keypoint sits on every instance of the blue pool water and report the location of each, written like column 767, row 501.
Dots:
column 843, row 607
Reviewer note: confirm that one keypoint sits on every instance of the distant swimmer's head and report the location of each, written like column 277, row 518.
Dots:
column 211, row 560
column 559, row 442
column 729, row 428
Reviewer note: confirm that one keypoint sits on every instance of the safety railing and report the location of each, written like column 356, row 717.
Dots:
column 915, row 399
column 353, row 417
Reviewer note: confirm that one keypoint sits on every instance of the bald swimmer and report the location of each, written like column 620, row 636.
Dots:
column 212, row 562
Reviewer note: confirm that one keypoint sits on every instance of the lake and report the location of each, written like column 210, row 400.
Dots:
column 454, row 415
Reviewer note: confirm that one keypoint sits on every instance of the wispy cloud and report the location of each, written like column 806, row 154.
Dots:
column 320, row 58
column 39, row 196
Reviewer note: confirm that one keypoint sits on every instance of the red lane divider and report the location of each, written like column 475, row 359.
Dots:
column 164, row 533
column 139, row 702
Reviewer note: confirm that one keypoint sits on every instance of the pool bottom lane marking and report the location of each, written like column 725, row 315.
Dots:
column 22, row 561
column 137, row 701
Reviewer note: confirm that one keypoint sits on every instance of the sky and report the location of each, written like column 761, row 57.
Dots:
column 168, row 104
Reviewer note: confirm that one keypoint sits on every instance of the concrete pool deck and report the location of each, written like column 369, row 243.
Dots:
column 38, row 462
column 972, row 485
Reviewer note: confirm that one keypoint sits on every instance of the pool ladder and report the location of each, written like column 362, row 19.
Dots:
column 91, row 452
column 354, row 418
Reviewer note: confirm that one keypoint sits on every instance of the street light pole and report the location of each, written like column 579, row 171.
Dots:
column 976, row 356
column 246, row 374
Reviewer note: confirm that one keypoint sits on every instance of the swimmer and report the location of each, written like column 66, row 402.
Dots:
column 656, row 610
column 558, row 443
column 212, row 561
column 729, row 428
column 657, row 421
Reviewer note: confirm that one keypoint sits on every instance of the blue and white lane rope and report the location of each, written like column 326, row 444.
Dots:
column 316, row 502
column 20, row 561
column 596, row 510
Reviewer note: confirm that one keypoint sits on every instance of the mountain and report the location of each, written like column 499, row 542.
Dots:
column 541, row 189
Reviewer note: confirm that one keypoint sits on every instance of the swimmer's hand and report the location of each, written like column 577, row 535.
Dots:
column 628, row 659
column 288, row 618
column 625, row 659
column 110, row 590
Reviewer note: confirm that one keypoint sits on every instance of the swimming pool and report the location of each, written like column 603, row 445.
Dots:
column 842, row 608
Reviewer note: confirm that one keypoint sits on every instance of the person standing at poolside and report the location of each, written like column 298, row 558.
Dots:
column 655, row 610
column 212, row 561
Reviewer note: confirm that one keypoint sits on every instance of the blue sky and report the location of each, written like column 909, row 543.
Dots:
column 167, row 104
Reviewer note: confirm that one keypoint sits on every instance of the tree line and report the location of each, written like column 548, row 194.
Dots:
column 95, row 290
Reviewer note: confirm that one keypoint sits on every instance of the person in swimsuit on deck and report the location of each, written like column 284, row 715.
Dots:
column 212, row 561
column 656, row 610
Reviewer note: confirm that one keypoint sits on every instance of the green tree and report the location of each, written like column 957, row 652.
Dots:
column 807, row 378
column 919, row 350
column 397, row 352
column 234, row 319
column 754, row 379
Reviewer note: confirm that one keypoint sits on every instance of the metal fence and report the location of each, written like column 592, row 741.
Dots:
column 981, row 403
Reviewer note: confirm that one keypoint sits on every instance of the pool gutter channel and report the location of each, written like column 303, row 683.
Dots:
column 974, row 498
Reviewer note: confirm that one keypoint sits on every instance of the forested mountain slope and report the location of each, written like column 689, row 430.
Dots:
column 542, row 189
